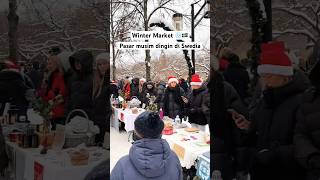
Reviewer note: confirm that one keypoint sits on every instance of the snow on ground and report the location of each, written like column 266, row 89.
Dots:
column 119, row 146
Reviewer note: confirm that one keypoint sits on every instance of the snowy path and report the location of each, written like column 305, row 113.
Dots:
column 119, row 146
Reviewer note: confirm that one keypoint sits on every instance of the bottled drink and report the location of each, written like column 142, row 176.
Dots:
column 161, row 113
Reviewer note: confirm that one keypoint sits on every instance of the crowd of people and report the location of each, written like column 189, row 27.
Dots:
column 272, row 133
column 78, row 78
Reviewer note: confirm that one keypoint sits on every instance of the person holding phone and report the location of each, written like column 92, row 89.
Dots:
column 273, row 119
column 174, row 99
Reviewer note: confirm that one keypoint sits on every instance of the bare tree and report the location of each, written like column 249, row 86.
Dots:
column 141, row 7
column 13, row 20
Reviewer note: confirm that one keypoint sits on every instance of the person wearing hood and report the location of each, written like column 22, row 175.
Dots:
column 81, row 86
column 237, row 76
column 198, row 103
column 53, row 87
column 307, row 132
column 161, row 87
column 150, row 157
column 149, row 90
column 273, row 119
column 63, row 58
column 114, row 89
column 134, row 88
column 101, row 105
column 174, row 99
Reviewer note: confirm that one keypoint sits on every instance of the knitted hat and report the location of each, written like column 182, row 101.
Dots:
column 274, row 60
column 102, row 57
column 149, row 125
column 64, row 60
column 196, row 80
column 143, row 79
column 172, row 79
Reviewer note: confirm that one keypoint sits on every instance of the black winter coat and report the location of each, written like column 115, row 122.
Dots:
column 273, row 123
column 238, row 77
column 80, row 94
column 172, row 103
column 307, row 134
column 134, row 88
column 152, row 92
column 198, row 106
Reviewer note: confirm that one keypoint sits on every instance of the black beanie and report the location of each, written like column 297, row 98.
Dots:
column 149, row 125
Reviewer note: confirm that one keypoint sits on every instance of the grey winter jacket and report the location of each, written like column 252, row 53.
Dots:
column 148, row 159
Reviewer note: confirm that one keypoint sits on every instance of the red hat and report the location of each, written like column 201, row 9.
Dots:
column 274, row 60
column 172, row 79
column 196, row 80
column 11, row 65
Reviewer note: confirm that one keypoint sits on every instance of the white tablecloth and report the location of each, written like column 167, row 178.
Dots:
column 192, row 148
column 127, row 117
column 55, row 167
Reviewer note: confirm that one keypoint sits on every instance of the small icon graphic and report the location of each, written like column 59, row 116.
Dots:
column 184, row 34
column 178, row 35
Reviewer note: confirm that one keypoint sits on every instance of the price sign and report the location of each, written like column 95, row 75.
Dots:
column 38, row 171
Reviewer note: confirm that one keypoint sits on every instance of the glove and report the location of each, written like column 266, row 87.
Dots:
column 265, row 157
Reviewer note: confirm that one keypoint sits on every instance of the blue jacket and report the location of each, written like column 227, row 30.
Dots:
column 148, row 159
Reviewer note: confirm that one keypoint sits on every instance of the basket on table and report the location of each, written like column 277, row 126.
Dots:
column 75, row 139
column 134, row 102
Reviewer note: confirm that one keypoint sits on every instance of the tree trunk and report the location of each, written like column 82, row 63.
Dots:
column 13, row 20
column 148, row 57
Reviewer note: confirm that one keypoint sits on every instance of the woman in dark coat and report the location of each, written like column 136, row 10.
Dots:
column 174, row 99
column 307, row 133
column 101, row 106
column 80, row 95
column 148, row 91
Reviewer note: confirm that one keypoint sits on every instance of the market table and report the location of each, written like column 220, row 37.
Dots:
column 187, row 145
column 29, row 163
column 127, row 117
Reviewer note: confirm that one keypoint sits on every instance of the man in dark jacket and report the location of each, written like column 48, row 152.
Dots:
column 198, row 103
column 274, row 118
column 150, row 157
column 80, row 93
column 307, row 133
column 237, row 76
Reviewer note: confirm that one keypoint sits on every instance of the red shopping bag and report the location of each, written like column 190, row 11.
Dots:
column 38, row 171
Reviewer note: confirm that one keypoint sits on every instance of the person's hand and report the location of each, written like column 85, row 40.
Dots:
column 241, row 122
column 184, row 99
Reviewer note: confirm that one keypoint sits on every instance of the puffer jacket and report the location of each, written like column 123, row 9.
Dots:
column 80, row 95
column 198, row 102
column 307, row 132
column 172, row 103
column 148, row 159
column 273, row 123
column 134, row 89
